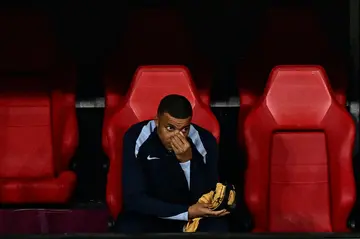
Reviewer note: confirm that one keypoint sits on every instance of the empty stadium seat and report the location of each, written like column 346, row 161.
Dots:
column 150, row 84
column 153, row 37
column 288, row 36
column 299, row 141
column 38, row 127
column 38, row 139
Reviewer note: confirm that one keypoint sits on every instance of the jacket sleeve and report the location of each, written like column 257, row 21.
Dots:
column 134, row 188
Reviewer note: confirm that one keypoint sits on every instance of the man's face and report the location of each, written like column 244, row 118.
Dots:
column 168, row 126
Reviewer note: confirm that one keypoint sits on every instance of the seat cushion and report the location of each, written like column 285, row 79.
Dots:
column 42, row 190
column 299, row 183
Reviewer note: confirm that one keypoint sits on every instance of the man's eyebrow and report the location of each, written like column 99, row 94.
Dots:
column 186, row 126
column 170, row 125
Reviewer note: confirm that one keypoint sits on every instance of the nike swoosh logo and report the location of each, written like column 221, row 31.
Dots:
column 151, row 158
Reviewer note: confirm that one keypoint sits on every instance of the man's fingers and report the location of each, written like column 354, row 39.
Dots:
column 178, row 139
column 174, row 147
column 178, row 143
column 205, row 205
column 178, row 146
column 218, row 213
column 224, row 214
column 182, row 137
column 182, row 141
column 208, row 212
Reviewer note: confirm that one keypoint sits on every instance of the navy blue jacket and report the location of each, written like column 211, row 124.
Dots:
column 153, row 180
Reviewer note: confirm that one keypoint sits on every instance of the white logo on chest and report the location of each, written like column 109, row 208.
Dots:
column 151, row 158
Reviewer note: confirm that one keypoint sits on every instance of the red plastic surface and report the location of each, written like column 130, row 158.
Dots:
column 38, row 138
column 299, row 141
column 289, row 36
column 38, row 126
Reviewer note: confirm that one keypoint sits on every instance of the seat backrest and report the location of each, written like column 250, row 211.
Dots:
column 25, row 135
column 150, row 84
column 38, row 129
column 299, row 141
column 37, row 101
column 291, row 36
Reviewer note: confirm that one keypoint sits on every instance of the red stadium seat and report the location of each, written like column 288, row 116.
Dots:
column 299, row 141
column 38, row 139
column 37, row 112
column 291, row 37
column 150, row 84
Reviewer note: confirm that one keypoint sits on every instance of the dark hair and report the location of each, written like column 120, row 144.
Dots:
column 175, row 105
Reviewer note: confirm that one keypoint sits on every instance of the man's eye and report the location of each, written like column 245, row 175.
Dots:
column 184, row 130
column 169, row 128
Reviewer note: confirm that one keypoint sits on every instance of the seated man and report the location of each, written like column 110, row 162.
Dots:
column 168, row 164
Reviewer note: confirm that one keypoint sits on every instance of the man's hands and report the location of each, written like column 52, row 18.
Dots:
column 203, row 210
column 181, row 147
